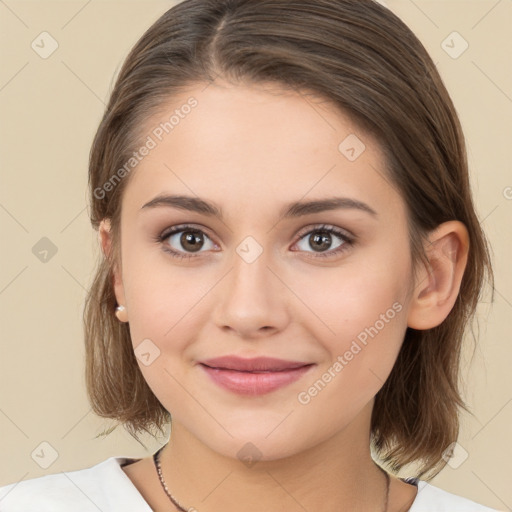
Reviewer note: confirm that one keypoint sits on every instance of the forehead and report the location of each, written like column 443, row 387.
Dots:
column 255, row 143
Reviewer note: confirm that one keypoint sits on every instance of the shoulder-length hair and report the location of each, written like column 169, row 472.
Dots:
column 363, row 59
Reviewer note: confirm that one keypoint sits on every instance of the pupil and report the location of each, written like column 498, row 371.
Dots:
column 191, row 241
column 323, row 240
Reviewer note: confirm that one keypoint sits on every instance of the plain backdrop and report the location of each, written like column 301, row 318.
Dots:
column 50, row 109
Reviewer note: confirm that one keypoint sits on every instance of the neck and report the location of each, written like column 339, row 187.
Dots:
column 338, row 473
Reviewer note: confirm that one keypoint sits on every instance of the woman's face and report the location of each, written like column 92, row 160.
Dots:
column 261, row 278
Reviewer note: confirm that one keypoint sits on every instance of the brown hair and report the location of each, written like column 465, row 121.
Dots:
column 364, row 60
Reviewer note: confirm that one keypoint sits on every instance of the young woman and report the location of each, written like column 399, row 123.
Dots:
column 292, row 256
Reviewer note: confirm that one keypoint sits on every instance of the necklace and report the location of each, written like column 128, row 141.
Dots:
column 156, row 459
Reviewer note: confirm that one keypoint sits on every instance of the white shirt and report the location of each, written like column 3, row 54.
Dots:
column 105, row 487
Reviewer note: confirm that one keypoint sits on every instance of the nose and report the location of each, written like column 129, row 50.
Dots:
column 252, row 301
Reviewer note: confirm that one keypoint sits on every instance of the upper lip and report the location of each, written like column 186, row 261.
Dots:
column 252, row 364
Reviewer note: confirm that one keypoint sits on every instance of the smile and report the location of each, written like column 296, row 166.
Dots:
column 255, row 376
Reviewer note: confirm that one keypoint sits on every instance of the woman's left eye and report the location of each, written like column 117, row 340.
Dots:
column 321, row 240
column 192, row 240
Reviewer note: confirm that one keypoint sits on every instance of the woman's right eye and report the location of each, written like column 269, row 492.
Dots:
column 184, row 241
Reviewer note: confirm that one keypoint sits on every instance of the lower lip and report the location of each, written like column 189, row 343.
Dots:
column 247, row 383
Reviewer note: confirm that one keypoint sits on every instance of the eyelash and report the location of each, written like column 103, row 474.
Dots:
column 324, row 228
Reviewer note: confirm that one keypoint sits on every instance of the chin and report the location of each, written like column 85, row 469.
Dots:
column 256, row 441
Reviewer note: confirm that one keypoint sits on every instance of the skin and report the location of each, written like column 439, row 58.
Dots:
column 250, row 150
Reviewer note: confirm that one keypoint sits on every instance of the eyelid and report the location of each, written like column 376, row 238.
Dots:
column 172, row 230
column 319, row 227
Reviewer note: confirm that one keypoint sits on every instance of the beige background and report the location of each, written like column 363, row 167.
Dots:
column 50, row 109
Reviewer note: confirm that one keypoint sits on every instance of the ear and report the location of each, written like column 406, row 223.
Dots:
column 437, row 287
column 105, row 236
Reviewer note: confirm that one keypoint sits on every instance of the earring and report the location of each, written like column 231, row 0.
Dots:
column 121, row 314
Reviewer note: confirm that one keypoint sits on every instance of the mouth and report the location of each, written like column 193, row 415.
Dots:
column 255, row 376
column 255, row 364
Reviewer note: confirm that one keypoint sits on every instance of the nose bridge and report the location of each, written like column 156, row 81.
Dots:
column 252, row 297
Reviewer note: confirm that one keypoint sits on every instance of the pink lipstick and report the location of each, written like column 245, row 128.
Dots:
column 254, row 376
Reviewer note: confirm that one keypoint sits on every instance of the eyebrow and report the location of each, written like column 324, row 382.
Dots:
column 294, row 209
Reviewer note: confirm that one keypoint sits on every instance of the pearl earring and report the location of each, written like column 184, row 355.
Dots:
column 121, row 313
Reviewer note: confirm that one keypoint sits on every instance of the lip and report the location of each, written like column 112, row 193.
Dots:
column 254, row 376
column 252, row 364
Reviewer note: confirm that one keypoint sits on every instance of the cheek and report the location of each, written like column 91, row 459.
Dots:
column 369, row 330
column 351, row 298
column 164, row 309
column 161, row 296
column 360, row 320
